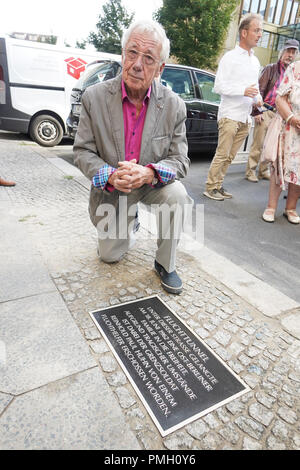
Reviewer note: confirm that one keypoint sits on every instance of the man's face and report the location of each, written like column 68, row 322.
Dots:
column 288, row 56
column 141, row 63
column 253, row 34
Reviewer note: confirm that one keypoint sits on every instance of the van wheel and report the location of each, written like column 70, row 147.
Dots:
column 46, row 130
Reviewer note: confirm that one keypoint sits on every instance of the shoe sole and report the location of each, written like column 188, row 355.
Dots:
column 171, row 290
column 268, row 221
column 267, row 178
column 213, row 198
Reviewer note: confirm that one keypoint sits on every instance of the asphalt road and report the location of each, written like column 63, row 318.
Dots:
column 234, row 228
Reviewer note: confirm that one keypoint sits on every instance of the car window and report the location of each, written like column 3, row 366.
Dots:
column 206, row 84
column 178, row 80
column 102, row 73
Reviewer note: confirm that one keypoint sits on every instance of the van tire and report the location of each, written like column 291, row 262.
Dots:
column 46, row 130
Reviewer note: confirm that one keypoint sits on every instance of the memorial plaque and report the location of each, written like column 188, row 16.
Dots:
column 177, row 376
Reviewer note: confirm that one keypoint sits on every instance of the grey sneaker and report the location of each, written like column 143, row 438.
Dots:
column 225, row 193
column 214, row 194
column 171, row 282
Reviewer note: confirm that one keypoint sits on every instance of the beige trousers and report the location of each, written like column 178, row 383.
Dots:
column 259, row 134
column 170, row 205
column 231, row 136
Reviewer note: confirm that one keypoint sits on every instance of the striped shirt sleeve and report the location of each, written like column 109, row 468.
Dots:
column 164, row 173
column 100, row 180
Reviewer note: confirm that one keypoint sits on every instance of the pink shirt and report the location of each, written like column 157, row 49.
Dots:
column 133, row 125
column 133, row 131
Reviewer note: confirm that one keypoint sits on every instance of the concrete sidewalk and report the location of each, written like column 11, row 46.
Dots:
column 60, row 386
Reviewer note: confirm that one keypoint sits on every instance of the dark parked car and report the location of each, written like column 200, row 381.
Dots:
column 193, row 85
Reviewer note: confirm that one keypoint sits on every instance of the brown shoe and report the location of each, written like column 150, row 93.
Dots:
column 264, row 176
column 252, row 177
column 6, row 183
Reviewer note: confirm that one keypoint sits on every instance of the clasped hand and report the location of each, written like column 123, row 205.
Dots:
column 130, row 175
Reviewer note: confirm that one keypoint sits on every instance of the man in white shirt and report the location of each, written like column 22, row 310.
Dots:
column 237, row 83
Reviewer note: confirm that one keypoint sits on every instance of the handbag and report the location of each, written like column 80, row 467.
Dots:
column 271, row 142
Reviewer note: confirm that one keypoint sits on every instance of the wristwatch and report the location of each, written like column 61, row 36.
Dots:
column 154, row 181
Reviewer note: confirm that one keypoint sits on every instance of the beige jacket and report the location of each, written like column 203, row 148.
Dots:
column 100, row 134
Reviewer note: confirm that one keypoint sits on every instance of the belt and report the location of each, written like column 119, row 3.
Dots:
column 269, row 107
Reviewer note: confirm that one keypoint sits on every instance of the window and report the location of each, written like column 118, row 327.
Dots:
column 264, row 40
column 179, row 81
column 278, row 12
column 272, row 9
column 281, row 41
column 254, row 6
column 102, row 73
column 294, row 13
column 262, row 7
column 206, row 84
column 287, row 12
column 246, row 6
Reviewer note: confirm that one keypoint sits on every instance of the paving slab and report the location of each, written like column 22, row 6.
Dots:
column 42, row 343
column 5, row 400
column 77, row 413
column 23, row 271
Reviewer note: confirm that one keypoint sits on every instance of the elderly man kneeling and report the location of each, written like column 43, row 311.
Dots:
column 131, row 143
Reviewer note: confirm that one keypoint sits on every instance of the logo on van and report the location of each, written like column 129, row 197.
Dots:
column 75, row 67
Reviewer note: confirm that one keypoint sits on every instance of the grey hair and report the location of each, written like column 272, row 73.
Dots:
column 246, row 20
column 148, row 26
column 280, row 54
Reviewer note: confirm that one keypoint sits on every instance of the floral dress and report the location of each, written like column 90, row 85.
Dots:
column 287, row 165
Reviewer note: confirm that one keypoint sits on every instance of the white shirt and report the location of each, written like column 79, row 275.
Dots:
column 237, row 71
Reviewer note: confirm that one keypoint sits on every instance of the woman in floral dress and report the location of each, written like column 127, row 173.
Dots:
column 285, row 171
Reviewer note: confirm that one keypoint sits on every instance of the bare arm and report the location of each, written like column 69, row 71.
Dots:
column 285, row 111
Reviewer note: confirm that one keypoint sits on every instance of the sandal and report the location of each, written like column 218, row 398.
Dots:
column 269, row 214
column 292, row 216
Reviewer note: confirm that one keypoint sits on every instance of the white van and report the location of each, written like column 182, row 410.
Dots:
column 36, row 80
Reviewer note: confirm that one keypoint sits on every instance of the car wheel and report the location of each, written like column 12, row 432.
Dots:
column 46, row 130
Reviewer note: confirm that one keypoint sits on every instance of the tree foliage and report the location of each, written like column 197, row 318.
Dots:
column 110, row 27
column 196, row 28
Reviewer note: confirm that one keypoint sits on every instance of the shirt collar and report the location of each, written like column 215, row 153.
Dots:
column 243, row 51
column 125, row 96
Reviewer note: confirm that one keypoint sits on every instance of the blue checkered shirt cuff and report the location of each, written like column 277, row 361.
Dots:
column 101, row 177
column 164, row 173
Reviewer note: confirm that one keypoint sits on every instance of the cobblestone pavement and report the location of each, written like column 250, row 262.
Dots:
column 54, row 209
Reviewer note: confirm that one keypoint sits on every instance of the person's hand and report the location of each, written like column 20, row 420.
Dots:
column 259, row 119
column 251, row 91
column 138, row 174
column 295, row 122
column 130, row 175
